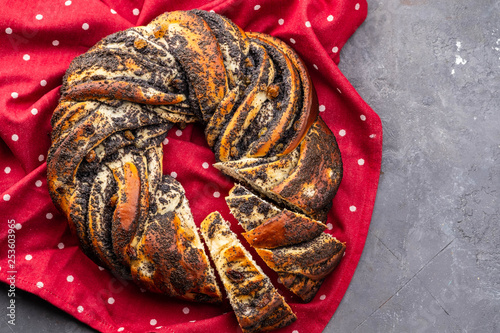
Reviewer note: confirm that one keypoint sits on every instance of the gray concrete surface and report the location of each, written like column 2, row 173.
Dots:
column 431, row 70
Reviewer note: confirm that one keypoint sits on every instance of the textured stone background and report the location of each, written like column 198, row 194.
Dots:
column 431, row 70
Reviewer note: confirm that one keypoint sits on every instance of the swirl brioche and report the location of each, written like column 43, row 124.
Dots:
column 118, row 101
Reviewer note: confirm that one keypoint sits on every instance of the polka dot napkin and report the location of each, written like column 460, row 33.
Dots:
column 39, row 40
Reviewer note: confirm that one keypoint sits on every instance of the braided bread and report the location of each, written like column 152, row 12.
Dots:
column 118, row 101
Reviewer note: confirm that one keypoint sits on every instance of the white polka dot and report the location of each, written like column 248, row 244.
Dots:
column 70, row 278
column 79, row 309
column 330, row 18
column 28, row 257
column 322, row 297
column 121, row 329
column 281, row 21
column 308, row 24
column 38, row 183
column 18, row 226
column 295, row 331
column 34, row 111
column 15, row 137
column 39, row 284
column 68, row 3
column 212, row 11
column 8, row 31
column 60, row 246
column 329, row 226
column 7, row 170
column 362, row 117
column 315, row 66
column 352, row 208
column 100, row 268
column 342, row 132
column 335, row 49
column 6, row 197
column 43, row 83
column 361, row 161
column 135, row 11
column 26, row 57
column 55, row 42
column 85, row 26
column 185, row 310
column 39, row 17
column 49, row 216
column 165, row 142
column 14, row 95
column 205, row 165
column 257, row 7
column 357, row 6
column 111, row 300
column 41, row 157
column 173, row 174
column 292, row 40
column 372, row 136
column 113, row 11
column 322, row 108
column 216, row 194
column 338, row 89
column 178, row 132
column 153, row 322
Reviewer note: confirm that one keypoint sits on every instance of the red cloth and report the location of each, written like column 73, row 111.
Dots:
column 38, row 40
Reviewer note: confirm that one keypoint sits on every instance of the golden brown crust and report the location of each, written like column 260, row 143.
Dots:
column 126, row 215
column 121, row 91
column 284, row 229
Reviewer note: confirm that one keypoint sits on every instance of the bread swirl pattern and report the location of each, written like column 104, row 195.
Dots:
column 291, row 244
column 119, row 100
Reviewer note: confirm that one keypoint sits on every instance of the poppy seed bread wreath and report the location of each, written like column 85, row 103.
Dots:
column 118, row 100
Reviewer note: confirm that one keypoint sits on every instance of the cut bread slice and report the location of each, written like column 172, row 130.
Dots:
column 257, row 304
column 249, row 209
column 291, row 244
column 267, row 225
column 305, row 180
column 314, row 259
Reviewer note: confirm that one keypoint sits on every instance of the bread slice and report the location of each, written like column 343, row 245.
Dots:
column 257, row 304
column 290, row 243
column 249, row 209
